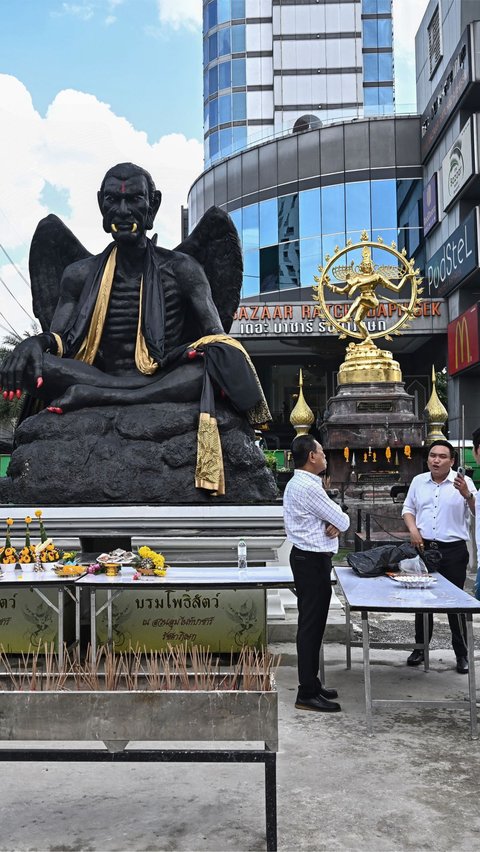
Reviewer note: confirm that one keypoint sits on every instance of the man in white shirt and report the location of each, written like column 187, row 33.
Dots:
column 437, row 512
column 476, row 453
column 313, row 523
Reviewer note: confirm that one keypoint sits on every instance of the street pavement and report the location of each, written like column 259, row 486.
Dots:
column 414, row 785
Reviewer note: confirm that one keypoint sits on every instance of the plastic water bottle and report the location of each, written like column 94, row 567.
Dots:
column 242, row 555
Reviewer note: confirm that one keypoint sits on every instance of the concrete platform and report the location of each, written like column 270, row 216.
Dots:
column 413, row 786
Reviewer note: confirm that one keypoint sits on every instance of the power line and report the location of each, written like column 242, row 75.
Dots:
column 16, row 300
column 10, row 324
column 27, row 282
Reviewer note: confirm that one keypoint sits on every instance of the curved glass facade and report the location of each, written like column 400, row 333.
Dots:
column 224, row 78
column 285, row 239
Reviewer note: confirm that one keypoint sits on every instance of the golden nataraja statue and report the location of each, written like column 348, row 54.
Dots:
column 362, row 282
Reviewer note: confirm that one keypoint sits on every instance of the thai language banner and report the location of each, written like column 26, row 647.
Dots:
column 222, row 620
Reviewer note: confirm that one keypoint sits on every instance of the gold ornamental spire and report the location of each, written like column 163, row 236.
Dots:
column 435, row 415
column 302, row 416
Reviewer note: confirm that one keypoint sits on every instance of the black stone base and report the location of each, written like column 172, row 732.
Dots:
column 130, row 455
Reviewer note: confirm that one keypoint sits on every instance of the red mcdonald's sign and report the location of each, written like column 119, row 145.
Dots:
column 463, row 341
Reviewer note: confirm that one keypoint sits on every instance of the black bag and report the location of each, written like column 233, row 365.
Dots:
column 378, row 560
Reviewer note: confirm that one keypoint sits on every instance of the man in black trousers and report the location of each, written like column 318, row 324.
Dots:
column 313, row 523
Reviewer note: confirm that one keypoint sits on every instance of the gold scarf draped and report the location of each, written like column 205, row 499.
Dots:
column 89, row 348
column 209, row 472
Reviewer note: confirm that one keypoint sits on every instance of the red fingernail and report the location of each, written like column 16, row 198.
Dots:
column 39, row 382
column 19, row 393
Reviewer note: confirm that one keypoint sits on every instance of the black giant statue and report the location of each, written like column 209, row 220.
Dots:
column 135, row 357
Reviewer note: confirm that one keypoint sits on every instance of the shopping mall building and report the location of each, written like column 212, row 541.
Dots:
column 305, row 151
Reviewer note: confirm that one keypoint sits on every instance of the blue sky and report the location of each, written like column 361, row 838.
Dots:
column 88, row 83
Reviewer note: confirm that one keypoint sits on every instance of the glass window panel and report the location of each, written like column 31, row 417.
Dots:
column 250, row 236
column 310, row 259
column 384, row 209
column 384, row 32
column 288, row 218
column 212, row 47
column 385, row 66
column 357, row 205
column 224, row 41
column 223, row 11
column 333, row 217
column 205, row 19
column 238, row 9
column 289, row 265
column 239, row 75
column 213, row 142
column 385, row 95
column 370, row 34
column 251, row 265
column 224, row 75
column 205, row 51
column 384, row 6
column 224, row 109
column 239, row 106
column 239, row 137
column 213, row 80
column 269, row 269
column 268, row 214
column 212, row 14
column 206, row 117
column 238, row 38
column 225, row 143
column 213, row 117
column 309, row 211
column 370, row 67
column 236, row 216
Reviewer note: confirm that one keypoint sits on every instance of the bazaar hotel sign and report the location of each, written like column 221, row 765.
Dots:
column 303, row 318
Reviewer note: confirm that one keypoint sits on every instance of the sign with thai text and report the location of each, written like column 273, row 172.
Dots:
column 430, row 205
column 463, row 341
column 455, row 259
column 447, row 95
column 304, row 319
column 27, row 622
column 220, row 620
column 458, row 165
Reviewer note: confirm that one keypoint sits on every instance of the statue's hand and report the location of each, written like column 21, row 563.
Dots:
column 25, row 358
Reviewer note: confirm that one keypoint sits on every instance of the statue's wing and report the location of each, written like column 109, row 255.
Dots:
column 53, row 248
column 341, row 272
column 214, row 243
column 391, row 271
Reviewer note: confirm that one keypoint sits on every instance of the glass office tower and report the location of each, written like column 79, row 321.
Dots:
column 271, row 66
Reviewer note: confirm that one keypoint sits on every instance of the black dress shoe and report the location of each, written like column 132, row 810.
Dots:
column 415, row 658
column 327, row 693
column 462, row 665
column 317, row 704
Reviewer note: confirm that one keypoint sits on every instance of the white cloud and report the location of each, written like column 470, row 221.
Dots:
column 180, row 13
column 71, row 148
column 84, row 11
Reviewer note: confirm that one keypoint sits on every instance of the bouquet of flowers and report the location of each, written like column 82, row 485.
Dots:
column 27, row 553
column 148, row 563
column 8, row 554
column 50, row 552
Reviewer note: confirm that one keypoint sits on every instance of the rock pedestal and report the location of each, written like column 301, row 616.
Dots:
column 143, row 454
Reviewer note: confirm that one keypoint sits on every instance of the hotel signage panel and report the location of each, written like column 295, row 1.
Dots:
column 447, row 95
column 455, row 259
column 463, row 341
column 302, row 319
column 458, row 166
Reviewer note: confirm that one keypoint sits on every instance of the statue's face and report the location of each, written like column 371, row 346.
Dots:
column 125, row 208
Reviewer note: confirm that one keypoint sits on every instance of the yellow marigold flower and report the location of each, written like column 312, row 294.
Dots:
column 38, row 513
column 9, row 522
column 158, row 560
column 28, row 519
column 49, row 547
column 143, row 551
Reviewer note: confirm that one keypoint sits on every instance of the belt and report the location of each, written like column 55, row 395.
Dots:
column 431, row 544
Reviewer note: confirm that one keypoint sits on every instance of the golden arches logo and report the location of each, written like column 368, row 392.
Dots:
column 462, row 343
